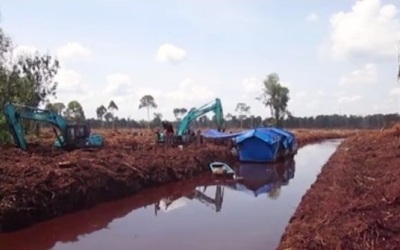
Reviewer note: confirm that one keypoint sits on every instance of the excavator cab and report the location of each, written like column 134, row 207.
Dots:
column 79, row 136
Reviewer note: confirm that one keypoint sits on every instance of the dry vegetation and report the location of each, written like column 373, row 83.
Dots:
column 355, row 201
column 45, row 182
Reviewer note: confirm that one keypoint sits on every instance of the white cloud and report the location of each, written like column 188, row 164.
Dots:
column 395, row 92
column 252, row 85
column 349, row 99
column 367, row 75
column 119, row 85
column 73, row 49
column 369, row 29
column 312, row 17
column 301, row 94
column 188, row 92
column 170, row 53
column 68, row 81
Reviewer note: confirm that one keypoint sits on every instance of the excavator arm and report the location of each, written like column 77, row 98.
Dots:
column 70, row 134
column 216, row 203
column 194, row 113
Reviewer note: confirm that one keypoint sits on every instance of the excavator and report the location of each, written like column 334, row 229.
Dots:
column 215, row 203
column 194, row 113
column 72, row 136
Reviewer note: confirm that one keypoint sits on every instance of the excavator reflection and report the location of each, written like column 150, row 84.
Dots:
column 69, row 228
column 215, row 203
column 253, row 178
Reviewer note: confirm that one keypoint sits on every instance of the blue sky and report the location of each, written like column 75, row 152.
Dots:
column 335, row 56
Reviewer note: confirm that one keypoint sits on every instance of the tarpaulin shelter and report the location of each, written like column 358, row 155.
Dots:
column 287, row 139
column 214, row 134
column 258, row 145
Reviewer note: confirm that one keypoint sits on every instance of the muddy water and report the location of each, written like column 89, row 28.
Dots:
column 203, row 213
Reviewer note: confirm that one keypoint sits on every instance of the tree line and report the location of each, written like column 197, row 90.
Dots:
column 334, row 121
column 28, row 79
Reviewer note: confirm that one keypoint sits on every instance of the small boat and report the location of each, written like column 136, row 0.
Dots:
column 220, row 168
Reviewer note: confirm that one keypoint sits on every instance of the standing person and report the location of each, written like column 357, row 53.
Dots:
column 169, row 132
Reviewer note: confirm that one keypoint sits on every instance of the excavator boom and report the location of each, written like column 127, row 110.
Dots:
column 194, row 113
column 72, row 136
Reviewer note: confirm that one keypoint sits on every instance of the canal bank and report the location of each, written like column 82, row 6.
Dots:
column 34, row 186
column 200, row 213
column 355, row 201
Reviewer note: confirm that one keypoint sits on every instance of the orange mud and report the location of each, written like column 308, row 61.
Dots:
column 45, row 182
column 355, row 202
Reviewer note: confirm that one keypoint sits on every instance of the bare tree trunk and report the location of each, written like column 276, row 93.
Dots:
column 148, row 117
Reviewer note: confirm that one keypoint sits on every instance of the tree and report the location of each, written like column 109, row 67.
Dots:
column 29, row 80
column 74, row 112
column 182, row 111
column 100, row 112
column 49, row 106
column 112, row 106
column 108, row 116
column 176, row 112
column 157, row 118
column 242, row 109
column 147, row 102
column 59, row 107
column 40, row 70
column 179, row 112
column 276, row 97
column 398, row 62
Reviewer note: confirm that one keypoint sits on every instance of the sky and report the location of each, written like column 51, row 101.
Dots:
column 334, row 56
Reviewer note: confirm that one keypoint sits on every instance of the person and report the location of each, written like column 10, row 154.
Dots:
column 169, row 131
column 158, row 135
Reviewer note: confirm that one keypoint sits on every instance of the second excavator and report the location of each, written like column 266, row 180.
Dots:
column 182, row 133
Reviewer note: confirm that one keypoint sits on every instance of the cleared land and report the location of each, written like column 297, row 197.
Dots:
column 355, row 202
column 45, row 182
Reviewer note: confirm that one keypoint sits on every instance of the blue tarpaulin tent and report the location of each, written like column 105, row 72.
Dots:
column 288, row 139
column 258, row 145
column 214, row 134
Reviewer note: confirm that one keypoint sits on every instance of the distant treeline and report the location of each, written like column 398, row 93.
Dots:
column 376, row 121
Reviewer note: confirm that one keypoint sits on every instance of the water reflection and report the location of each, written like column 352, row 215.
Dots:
column 260, row 179
column 253, row 178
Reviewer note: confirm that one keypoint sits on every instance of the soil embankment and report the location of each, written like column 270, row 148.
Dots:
column 355, row 202
column 45, row 182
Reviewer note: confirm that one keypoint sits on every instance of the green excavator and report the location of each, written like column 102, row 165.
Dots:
column 69, row 136
column 182, row 131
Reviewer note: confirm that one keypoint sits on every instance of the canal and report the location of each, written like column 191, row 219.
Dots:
column 201, row 213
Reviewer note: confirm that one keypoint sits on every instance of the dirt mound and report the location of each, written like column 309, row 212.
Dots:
column 355, row 201
column 45, row 182
column 307, row 136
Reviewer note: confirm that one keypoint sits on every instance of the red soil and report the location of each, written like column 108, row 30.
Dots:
column 355, row 202
column 45, row 182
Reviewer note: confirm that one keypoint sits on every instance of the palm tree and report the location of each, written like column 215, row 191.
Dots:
column 112, row 107
column 147, row 101
column 243, row 109
column 101, row 111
